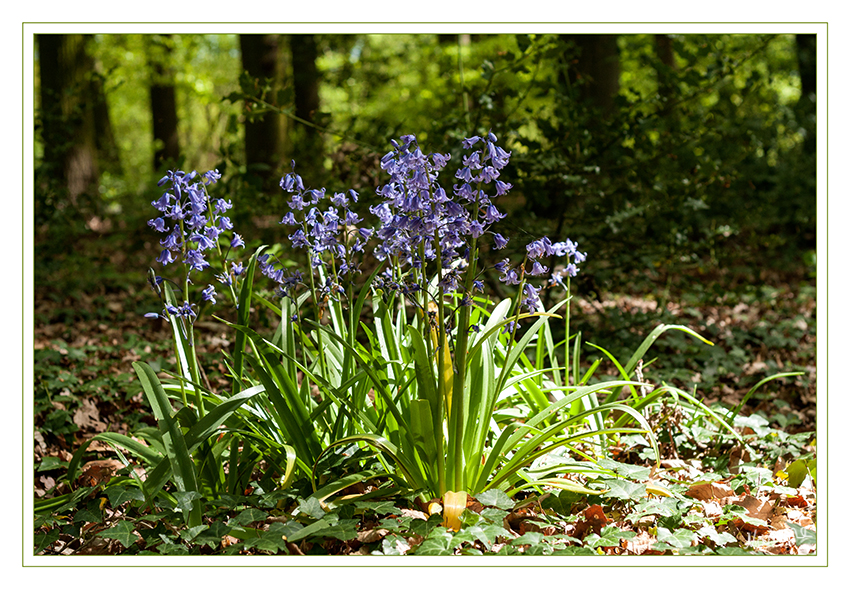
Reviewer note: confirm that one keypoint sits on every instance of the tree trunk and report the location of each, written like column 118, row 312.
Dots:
column 307, row 141
column 597, row 70
column 261, row 59
column 107, row 148
column 664, row 72
column 68, row 113
column 163, row 103
column 806, row 105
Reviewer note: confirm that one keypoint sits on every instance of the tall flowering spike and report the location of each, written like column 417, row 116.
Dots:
column 193, row 223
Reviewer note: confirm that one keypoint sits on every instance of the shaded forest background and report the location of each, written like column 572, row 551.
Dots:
column 683, row 164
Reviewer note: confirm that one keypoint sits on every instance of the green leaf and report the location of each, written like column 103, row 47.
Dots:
column 629, row 471
column 666, row 507
column 344, row 530
column 529, row 538
column 182, row 467
column 625, row 490
column 486, row 533
column 803, row 535
column 797, row 472
column 495, row 498
column 311, row 507
column 120, row 494
column 719, row 538
column 394, row 546
column 681, row 538
column 438, row 543
column 212, row 536
column 43, row 540
column 90, row 513
column 121, row 531
column 314, row 528
column 248, row 516
column 189, row 534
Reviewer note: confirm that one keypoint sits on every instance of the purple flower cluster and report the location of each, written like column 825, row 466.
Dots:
column 418, row 218
column 331, row 235
column 537, row 249
column 193, row 224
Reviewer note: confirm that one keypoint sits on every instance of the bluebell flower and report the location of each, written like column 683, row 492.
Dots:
column 208, row 294
column 158, row 224
column 498, row 241
column 492, row 215
column 538, row 269
column 165, row 257
column 531, row 302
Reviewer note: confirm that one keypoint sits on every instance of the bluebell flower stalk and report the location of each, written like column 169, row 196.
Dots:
column 194, row 225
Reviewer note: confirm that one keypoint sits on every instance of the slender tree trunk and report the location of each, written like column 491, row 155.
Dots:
column 664, row 72
column 597, row 70
column 307, row 141
column 806, row 105
column 68, row 113
column 107, row 148
column 261, row 59
column 163, row 103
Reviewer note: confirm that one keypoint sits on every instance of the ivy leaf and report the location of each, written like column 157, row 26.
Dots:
column 271, row 540
column 666, row 507
column 668, row 540
column 719, row 538
column 42, row 541
column 394, row 546
column 311, row 507
column 120, row 494
column 212, row 536
column 248, row 516
column 89, row 513
column 343, row 530
column 425, row 527
column 530, row 538
column 625, row 490
column 496, row 498
column 190, row 534
column 437, row 543
column 314, row 528
column 122, row 531
column 803, row 535
column 485, row 532
column 629, row 471
column 379, row 507
column 185, row 498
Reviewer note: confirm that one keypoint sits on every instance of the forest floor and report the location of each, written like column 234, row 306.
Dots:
column 91, row 296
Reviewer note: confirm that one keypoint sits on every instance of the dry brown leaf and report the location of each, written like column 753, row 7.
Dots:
column 709, row 491
column 800, row 518
column 712, row 509
column 373, row 535
column 88, row 417
column 640, row 543
column 757, row 508
column 414, row 513
column 594, row 519
column 99, row 471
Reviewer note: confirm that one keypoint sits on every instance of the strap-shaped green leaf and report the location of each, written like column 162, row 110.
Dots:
column 182, row 467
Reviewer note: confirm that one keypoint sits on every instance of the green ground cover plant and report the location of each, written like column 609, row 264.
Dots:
column 404, row 412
